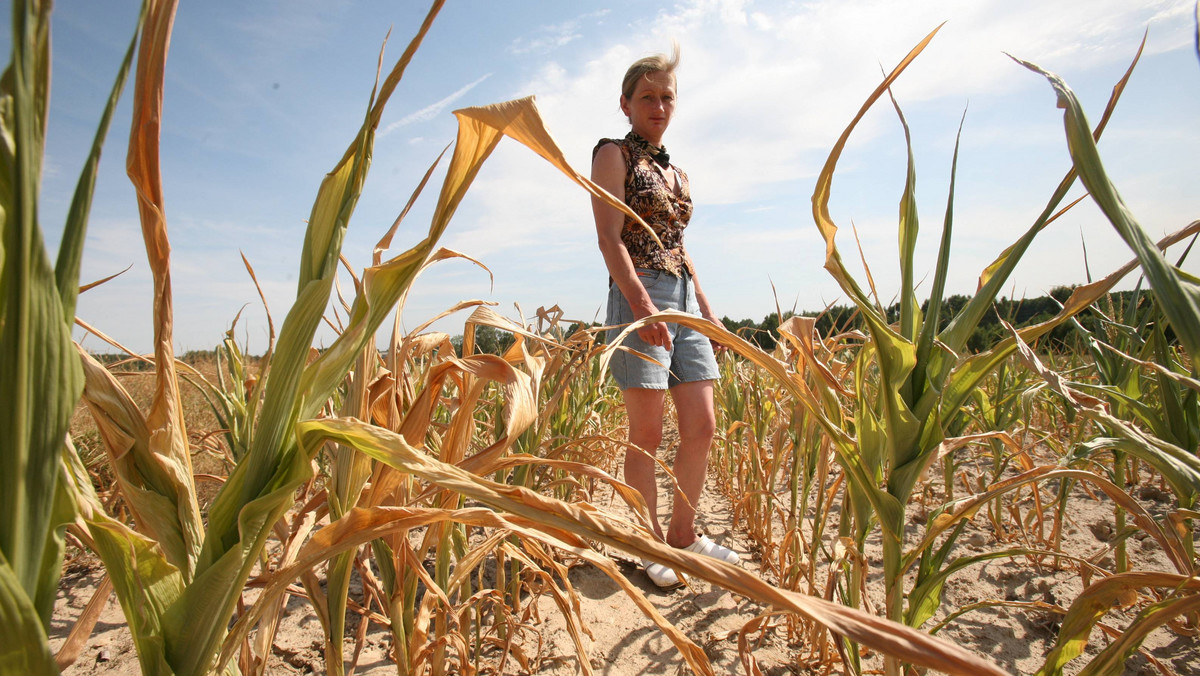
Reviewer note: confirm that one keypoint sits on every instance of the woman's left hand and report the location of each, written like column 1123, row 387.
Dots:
column 718, row 348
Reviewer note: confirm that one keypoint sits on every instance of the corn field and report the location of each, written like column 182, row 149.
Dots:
column 446, row 496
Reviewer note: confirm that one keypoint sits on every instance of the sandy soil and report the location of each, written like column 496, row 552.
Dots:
column 626, row 642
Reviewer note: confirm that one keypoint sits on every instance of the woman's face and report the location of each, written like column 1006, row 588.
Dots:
column 652, row 105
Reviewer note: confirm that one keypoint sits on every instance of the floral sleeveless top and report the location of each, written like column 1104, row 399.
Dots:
column 647, row 194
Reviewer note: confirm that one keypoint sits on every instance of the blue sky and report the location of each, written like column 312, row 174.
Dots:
column 262, row 98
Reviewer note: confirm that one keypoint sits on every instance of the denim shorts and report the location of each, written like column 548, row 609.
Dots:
column 691, row 356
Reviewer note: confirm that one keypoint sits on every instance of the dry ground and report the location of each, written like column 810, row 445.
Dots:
column 623, row 641
column 626, row 642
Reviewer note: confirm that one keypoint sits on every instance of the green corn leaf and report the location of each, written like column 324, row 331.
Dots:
column 62, row 514
column 910, row 310
column 925, row 597
column 872, row 434
column 821, row 195
column 896, row 353
column 348, row 473
column 967, row 375
column 1180, row 468
column 992, row 280
column 283, row 399
column 384, row 284
column 1093, row 603
column 1179, row 404
column 147, row 585
column 24, row 649
column 1131, row 405
column 1177, row 292
column 195, row 625
column 145, row 581
column 933, row 314
column 1112, row 659
column 996, row 275
column 872, row 437
column 40, row 379
column 330, row 217
column 933, row 559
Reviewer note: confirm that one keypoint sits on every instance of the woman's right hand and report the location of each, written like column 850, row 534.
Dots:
column 653, row 334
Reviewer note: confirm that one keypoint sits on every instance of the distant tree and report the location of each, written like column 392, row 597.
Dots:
column 576, row 327
column 768, row 332
column 490, row 340
column 739, row 326
column 198, row 356
column 1019, row 312
column 837, row 319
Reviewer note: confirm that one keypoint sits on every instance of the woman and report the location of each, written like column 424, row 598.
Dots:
column 644, row 279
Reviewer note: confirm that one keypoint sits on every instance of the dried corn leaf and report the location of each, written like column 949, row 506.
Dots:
column 148, row 480
column 520, row 120
column 166, row 443
column 582, row 520
column 363, row 525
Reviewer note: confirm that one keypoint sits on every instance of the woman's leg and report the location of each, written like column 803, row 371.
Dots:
column 644, row 409
column 697, row 424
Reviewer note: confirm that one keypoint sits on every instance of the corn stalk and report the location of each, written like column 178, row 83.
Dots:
column 186, row 604
column 184, row 593
column 922, row 381
column 40, row 377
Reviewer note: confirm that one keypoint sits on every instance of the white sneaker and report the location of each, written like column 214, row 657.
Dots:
column 662, row 576
column 707, row 547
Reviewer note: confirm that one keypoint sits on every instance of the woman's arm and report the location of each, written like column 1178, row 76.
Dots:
column 706, row 310
column 608, row 171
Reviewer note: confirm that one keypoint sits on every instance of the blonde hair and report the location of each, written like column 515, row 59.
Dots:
column 658, row 63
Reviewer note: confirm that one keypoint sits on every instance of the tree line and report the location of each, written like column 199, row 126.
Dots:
column 838, row 319
column 1020, row 312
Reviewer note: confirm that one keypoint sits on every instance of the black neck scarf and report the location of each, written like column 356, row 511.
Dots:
column 662, row 157
column 659, row 155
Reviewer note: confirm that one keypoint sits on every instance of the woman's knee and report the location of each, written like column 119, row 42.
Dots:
column 646, row 438
column 699, row 428
column 697, row 416
column 644, row 408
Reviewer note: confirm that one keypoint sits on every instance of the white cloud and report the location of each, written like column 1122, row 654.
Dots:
column 764, row 92
column 549, row 38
